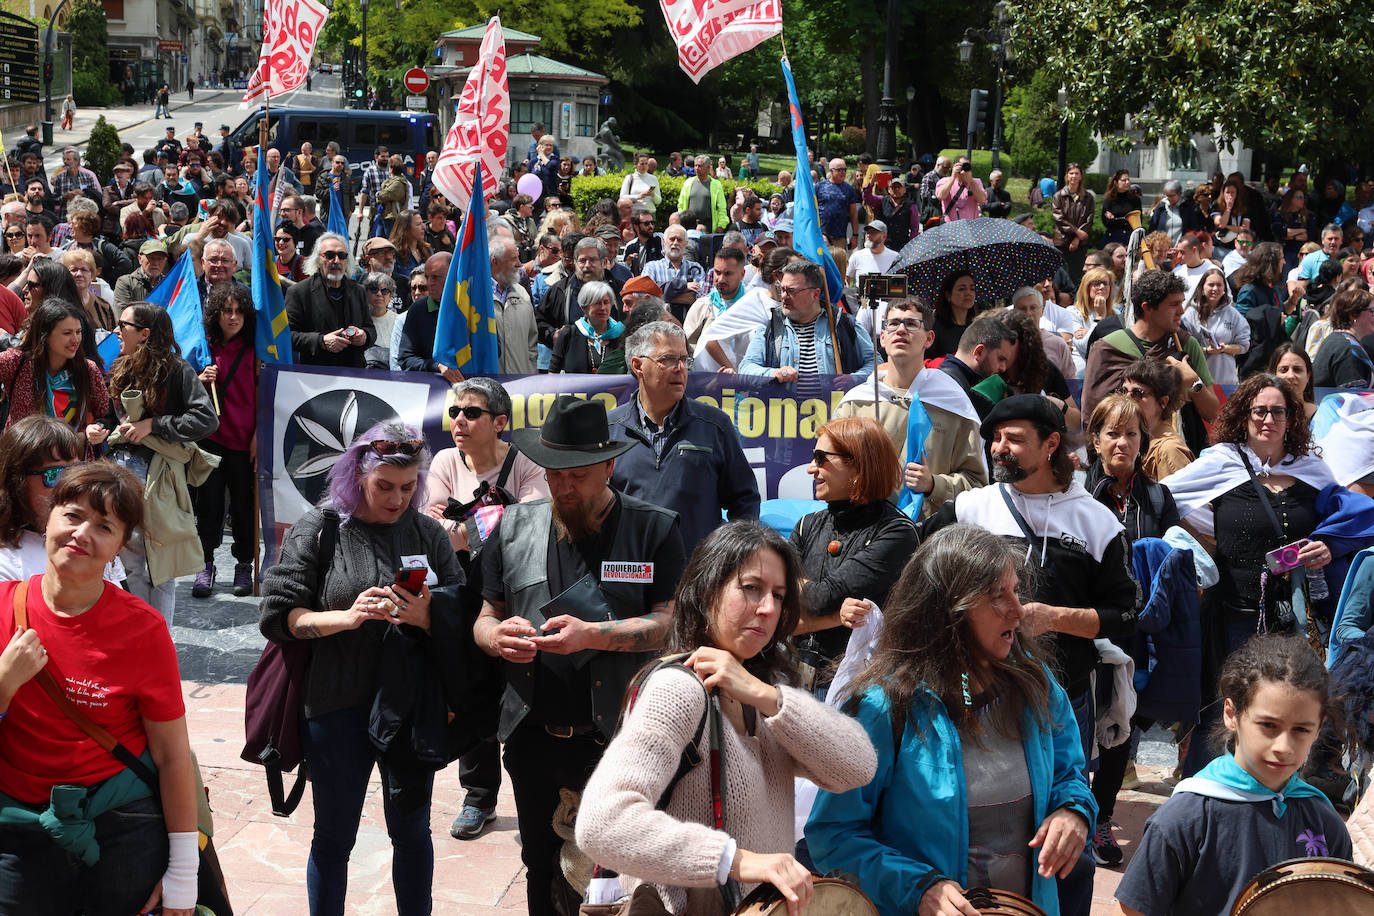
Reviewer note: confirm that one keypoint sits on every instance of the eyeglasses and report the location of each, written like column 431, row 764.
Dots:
column 899, row 324
column 335, row 255
column 129, row 324
column 471, row 412
column 32, row 284
column 19, row 234
column 285, row 238
column 820, row 458
column 50, row 475
column 789, row 292
column 1135, row 394
column 418, row 288
column 384, row 447
column 1259, row 413
column 378, row 288
column 673, row 362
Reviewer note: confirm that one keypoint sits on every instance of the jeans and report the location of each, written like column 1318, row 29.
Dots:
column 539, row 765
column 38, row 878
column 234, row 478
column 140, row 581
column 341, row 757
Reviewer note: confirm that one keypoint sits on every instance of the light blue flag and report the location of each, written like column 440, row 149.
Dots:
column 806, row 215
column 918, row 427
column 108, row 348
column 272, row 335
column 465, row 335
column 180, row 296
column 338, row 219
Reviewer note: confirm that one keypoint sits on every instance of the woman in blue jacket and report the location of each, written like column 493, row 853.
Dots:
column 980, row 777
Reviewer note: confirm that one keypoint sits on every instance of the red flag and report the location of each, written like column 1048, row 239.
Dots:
column 289, row 31
column 482, row 128
column 710, row 32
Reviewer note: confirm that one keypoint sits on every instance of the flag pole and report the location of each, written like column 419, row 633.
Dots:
column 257, row 363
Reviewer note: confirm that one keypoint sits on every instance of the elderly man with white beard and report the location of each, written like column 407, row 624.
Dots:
column 515, row 325
column 331, row 324
column 681, row 278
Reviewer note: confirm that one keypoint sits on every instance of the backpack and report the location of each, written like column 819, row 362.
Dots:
column 273, row 702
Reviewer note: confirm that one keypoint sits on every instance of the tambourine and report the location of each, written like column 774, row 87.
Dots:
column 833, row 897
column 993, row 902
column 1331, row 887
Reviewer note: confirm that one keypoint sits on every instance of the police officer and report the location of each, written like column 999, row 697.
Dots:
column 577, row 593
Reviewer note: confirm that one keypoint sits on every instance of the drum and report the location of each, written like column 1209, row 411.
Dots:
column 1331, row 887
column 991, row 902
column 833, row 897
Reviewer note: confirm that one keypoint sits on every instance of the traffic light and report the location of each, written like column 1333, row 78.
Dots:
column 47, row 70
column 977, row 110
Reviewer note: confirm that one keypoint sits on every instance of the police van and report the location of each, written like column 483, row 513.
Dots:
column 358, row 132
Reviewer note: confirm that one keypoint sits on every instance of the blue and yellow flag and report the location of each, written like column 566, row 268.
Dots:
column 338, row 219
column 806, row 213
column 179, row 294
column 272, row 337
column 465, row 336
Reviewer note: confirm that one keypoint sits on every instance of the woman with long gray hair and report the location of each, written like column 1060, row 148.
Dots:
column 971, row 730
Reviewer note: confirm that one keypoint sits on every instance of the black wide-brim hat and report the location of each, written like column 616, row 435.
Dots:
column 575, row 434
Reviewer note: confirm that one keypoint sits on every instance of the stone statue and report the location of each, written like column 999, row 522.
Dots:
column 610, row 154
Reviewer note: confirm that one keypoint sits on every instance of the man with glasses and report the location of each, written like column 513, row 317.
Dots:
column 515, row 325
column 216, row 264
column 221, row 216
column 331, row 324
column 300, row 224
column 839, row 205
column 704, row 195
column 953, row 453
column 337, row 178
column 1157, row 303
column 687, row 455
column 797, row 342
column 681, row 278
column 1235, row 258
column 415, row 351
column 143, row 279
column 647, row 245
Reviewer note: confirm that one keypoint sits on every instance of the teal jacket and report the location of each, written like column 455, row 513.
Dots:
column 908, row 828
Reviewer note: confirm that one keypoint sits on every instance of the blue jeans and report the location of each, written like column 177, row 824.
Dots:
column 38, row 878
column 341, row 757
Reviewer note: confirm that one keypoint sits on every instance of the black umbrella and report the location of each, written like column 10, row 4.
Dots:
column 1001, row 255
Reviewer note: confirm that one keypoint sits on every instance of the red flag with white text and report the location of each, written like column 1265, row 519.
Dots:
column 482, row 127
column 710, row 32
column 289, row 31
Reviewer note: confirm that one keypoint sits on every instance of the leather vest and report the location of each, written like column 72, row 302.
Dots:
column 524, row 532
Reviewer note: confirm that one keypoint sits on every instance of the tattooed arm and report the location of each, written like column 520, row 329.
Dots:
column 636, row 634
column 304, row 623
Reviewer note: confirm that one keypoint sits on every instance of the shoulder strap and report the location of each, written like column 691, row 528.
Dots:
column 506, row 467
column 1263, row 495
column 691, row 754
column 1016, row 514
column 234, row 367
column 328, row 541
column 96, row 733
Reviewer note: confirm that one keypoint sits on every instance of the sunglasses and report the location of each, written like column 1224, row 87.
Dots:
column 15, row 235
column 374, row 288
column 1135, row 394
column 32, row 284
column 50, row 475
column 821, row 458
column 129, row 324
column 471, row 412
column 334, row 255
column 384, row 447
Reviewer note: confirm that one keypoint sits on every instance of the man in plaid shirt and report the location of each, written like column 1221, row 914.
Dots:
column 73, row 180
column 374, row 173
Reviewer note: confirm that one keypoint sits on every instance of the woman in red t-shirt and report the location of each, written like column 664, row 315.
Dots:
column 112, row 657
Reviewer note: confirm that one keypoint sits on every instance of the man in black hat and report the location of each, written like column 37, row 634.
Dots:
column 1082, row 588
column 577, row 594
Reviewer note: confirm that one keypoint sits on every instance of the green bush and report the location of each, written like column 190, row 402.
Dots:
column 982, row 161
column 102, row 150
column 587, row 191
column 849, row 142
column 92, row 89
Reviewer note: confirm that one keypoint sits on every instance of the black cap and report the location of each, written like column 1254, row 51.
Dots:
column 1033, row 407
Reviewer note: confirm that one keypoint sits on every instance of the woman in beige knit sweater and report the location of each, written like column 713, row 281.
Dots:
column 738, row 603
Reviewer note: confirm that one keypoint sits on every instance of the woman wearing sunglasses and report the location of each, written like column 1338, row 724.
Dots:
column 161, row 411
column 1157, row 387
column 34, row 453
column 349, row 604
column 381, row 290
column 231, row 378
column 49, row 375
column 14, row 239
column 852, row 550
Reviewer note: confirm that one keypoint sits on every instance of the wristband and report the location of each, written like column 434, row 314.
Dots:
column 179, row 887
column 727, row 859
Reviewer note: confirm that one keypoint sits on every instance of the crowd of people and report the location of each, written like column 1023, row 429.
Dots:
column 979, row 626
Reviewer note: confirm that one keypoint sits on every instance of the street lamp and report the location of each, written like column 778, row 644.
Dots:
column 886, row 147
column 996, row 37
column 1063, row 99
column 911, row 119
column 361, row 101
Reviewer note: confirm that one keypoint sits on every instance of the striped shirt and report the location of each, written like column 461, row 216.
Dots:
column 806, row 347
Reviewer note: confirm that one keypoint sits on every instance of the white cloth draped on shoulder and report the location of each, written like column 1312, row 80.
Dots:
column 1220, row 469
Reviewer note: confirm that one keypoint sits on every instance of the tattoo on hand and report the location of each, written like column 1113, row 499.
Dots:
column 307, row 631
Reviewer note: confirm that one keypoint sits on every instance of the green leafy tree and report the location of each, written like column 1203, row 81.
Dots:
column 1030, row 120
column 90, row 38
column 1272, row 74
column 102, row 150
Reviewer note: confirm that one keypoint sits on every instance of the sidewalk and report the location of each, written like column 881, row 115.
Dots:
column 121, row 117
column 264, row 856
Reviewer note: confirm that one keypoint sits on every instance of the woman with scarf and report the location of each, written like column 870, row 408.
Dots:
column 595, row 342
column 48, row 374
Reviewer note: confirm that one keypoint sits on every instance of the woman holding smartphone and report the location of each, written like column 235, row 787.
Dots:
column 348, row 602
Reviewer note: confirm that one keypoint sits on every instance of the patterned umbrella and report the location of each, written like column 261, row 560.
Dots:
column 1001, row 255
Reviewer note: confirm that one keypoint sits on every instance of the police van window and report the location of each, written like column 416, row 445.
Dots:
column 395, row 134
column 312, row 132
column 247, row 135
column 364, row 134
column 432, row 135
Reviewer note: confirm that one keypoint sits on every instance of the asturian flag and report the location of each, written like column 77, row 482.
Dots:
column 806, row 213
column 289, row 31
column 272, row 336
column 338, row 219
column 481, row 130
column 180, row 296
column 465, row 336
column 710, row 32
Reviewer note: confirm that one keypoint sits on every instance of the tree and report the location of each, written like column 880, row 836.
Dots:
column 90, row 38
column 102, row 150
column 1034, row 141
column 1269, row 73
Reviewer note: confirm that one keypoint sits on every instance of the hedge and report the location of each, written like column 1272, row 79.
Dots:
column 587, row 191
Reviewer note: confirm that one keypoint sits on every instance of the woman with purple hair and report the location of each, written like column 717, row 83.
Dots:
column 368, row 632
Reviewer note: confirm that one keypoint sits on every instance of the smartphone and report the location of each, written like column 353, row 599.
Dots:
column 411, row 578
column 1285, row 558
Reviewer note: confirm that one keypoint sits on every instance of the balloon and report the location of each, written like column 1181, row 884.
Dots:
column 531, row 185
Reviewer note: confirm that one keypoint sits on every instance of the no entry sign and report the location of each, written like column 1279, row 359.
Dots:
column 416, row 80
